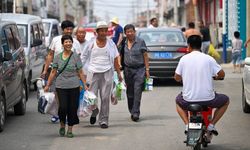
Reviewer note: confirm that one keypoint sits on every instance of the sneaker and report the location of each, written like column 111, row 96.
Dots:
column 93, row 116
column 134, row 118
column 104, row 126
column 212, row 129
column 54, row 119
column 92, row 120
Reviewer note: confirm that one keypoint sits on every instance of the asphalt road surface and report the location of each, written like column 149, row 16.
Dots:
column 159, row 128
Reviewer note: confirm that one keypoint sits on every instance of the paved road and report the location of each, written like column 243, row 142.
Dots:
column 159, row 128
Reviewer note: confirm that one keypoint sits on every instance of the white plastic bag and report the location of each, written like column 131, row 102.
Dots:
column 88, row 104
column 52, row 106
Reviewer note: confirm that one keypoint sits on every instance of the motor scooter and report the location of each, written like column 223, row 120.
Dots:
column 197, row 134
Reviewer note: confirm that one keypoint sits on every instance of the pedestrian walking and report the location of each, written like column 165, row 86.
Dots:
column 191, row 30
column 153, row 23
column 205, row 37
column 117, row 31
column 54, row 49
column 236, row 52
column 66, row 70
column 80, row 36
column 101, row 56
column 136, row 68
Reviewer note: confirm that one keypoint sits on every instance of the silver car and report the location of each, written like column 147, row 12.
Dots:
column 165, row 48
column 246, row 86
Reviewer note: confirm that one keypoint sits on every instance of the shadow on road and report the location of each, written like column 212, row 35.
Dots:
column 166, row 82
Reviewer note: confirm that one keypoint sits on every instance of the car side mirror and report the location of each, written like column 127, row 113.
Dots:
column 7, row 56
column 36, row 42
column 247, row 61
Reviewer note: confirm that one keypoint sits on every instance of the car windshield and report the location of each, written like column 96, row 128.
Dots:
column 23, row 33
column 161, row 37
column 46, row 27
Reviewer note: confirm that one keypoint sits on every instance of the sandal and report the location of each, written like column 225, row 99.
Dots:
column 62, row 131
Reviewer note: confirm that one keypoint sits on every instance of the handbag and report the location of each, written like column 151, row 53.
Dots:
column 59, row 72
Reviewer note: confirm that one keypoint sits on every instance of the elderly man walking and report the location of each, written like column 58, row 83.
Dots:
column 101, row 55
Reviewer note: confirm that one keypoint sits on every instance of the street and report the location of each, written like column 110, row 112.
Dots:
column 159, row 128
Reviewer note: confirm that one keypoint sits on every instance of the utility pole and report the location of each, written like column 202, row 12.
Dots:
column 176, row 5
column 88, row 13
column 224, row 36
column 147, row 13
column 161, row 5
column 14, row 6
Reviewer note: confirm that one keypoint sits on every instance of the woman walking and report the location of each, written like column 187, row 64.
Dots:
column 67, row 68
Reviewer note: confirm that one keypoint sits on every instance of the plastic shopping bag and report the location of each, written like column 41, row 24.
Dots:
column 87, row 104
column 52, row 106
column 213, row 52
column 148, row 85
column 120, row 91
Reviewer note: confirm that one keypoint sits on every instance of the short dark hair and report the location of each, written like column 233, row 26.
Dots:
column 191, row 25
column 66, row 37
column 153, row 19
column 194, row 41
column 66, row 24
column 183, row 29
column 129, row 26
column 237, row 34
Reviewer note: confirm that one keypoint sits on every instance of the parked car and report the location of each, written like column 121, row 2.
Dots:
column 13, row 84
column 165, row 48
column 33, row 39
column 51, row 29
column 246, row 86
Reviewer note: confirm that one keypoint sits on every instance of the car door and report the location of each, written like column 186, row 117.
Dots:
column 19, row 62
column 9, row 68
column 38, row 52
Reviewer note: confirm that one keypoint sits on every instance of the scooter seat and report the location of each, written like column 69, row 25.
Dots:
column 194, row 108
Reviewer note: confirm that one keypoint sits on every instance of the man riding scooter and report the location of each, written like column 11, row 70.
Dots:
column 196, row 70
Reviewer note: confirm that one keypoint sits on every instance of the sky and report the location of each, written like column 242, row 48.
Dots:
column 125, row 10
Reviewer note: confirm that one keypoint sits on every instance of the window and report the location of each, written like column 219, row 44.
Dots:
column 36, row 31
column 54, row 31
column 23, row 34
column 5, row 45
column 10, row 39
column 15, row 33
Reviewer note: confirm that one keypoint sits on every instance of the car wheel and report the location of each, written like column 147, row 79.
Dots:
column 20, row 107
column 245, row 106
column 2, row 113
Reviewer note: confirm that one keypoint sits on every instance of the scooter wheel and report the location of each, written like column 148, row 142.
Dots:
column 204, row 144
column 197, row 147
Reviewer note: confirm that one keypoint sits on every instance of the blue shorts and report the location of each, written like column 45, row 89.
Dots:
column 218, row 101
column 236, row 58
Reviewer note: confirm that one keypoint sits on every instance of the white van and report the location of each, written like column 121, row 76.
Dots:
column 32, row 34
column 51, row 29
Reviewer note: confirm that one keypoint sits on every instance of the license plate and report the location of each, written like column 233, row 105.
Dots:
column 195, row 125
column 162, row 55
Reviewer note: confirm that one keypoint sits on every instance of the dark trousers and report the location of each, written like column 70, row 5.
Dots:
column 134, row 79
column 68, row 105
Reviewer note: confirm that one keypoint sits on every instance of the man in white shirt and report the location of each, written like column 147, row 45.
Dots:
column 56, row 47
column 196, row 70
column 153, row 23
column 80, row 36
